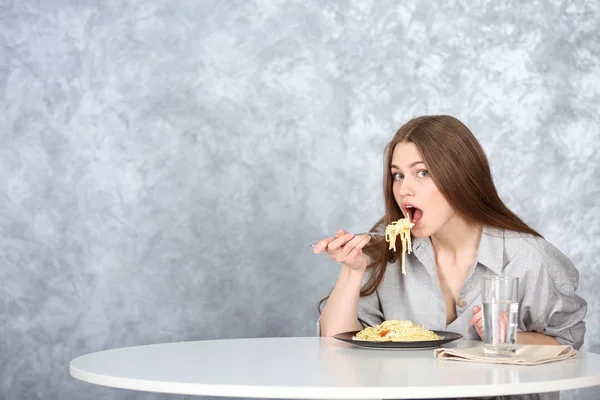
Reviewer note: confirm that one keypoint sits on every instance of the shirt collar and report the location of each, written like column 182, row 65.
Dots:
column 490, row 252
column 491, row 249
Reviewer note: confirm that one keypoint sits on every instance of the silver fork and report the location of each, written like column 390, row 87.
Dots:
column 372, row 234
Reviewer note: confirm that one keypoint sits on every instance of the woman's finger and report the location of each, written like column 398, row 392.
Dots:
column 348, row 247
column 477, row 315
column 339, row 241
column 338, row 233
column 357, row 250
column 321, row 246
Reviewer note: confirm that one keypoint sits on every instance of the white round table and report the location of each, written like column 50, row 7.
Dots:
column 320, row 368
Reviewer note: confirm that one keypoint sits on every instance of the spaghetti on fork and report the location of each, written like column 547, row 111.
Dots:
column 402, row 228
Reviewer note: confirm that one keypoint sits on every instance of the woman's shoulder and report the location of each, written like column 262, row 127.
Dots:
column 539, row 254
column 520, row 242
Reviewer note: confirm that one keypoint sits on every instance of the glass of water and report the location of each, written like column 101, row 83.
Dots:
column 499, row 295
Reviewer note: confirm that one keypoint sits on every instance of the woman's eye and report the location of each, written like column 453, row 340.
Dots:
column 397, row 177
column 422, row 173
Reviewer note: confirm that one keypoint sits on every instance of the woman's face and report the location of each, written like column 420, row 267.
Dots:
column 416, row 193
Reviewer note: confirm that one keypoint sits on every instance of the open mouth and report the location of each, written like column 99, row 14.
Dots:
column 414, row 213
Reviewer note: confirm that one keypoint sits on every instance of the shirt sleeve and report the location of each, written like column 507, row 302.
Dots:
column 369, row 310
column 549, row 304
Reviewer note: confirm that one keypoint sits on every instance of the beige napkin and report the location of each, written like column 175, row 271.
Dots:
column 527, row 354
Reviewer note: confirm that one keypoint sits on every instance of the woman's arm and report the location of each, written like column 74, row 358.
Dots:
column 341, row 310
column 535, row 338
column 550, row 310
column 522, row 337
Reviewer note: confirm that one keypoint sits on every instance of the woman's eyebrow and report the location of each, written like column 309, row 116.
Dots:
column 409, row 166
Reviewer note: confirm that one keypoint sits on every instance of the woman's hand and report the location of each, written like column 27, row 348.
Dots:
column 477, row 320
column 346, row 249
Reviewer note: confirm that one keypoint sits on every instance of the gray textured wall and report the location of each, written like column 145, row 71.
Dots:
column 164, row 165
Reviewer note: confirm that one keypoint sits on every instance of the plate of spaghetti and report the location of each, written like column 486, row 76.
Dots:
column 398, row 334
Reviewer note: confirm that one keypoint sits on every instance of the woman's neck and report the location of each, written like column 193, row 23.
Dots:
column 457, row 239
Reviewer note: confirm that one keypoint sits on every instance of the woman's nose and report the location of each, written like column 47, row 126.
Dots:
column 406, row 188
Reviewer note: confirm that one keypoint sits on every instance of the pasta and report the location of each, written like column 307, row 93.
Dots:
column 402, row 228
column 396, row 331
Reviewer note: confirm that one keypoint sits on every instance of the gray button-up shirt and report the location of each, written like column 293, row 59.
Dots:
column 547, row 282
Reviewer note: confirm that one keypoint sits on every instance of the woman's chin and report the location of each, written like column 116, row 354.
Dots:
column 419, row 233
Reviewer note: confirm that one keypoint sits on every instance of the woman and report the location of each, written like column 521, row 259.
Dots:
column 436, row 171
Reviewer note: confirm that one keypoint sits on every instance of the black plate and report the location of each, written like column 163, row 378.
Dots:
column 425, row 344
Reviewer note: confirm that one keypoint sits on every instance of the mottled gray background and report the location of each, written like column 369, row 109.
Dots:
column 164, row 165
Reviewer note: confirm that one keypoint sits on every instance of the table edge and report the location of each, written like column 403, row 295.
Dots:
column 298, row 392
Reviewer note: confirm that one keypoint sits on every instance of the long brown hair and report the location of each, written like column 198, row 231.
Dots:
column 460, row 170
